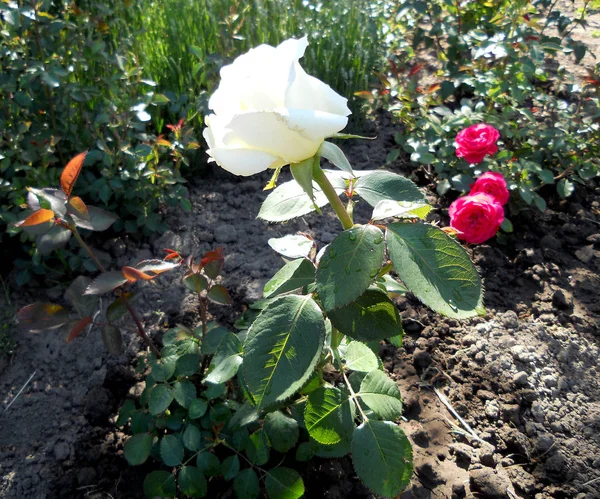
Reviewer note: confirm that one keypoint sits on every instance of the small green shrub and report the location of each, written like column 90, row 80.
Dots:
column 65, row 86
column 497, row 65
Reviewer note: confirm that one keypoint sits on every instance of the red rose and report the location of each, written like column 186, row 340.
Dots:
column 493, row 184
column 476, row 217
column 474, row 142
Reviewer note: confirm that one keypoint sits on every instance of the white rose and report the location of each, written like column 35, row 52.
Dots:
column 268, row 112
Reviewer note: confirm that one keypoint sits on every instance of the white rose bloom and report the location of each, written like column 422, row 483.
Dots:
column 268, row 112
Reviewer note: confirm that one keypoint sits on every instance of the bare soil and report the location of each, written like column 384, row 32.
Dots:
column 524, row 379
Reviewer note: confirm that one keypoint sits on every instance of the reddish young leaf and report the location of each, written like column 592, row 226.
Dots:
column 156, row 266
column 133, row 275
column 213, row 263
column 171, row 256
column 77, row 328
column 416, row 68
column 69, row 175
column 39, row 217
column 39, row 317
column 78, row 208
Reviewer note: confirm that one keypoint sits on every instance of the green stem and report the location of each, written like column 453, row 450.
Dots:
column 335, row 201
column 352, row 393
column 87, row 249
column 384, row 270
column 128, row 306
column 139, row 325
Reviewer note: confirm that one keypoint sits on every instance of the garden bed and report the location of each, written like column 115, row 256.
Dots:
column 524, row 377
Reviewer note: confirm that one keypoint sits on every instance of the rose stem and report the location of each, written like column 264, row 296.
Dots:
column 128, row 306
column 336, row 203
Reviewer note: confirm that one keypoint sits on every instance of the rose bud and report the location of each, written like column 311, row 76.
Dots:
column 476, row 217
column 475, row 142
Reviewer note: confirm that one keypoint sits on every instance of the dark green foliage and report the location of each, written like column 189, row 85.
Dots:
column 501, row 63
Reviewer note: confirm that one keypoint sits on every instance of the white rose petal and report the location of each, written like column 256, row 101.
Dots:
column 268, row 112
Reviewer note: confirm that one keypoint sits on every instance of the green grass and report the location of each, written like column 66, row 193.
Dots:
column 181, row 44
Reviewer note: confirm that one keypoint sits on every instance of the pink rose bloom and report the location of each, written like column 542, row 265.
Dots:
column 475, row 142
column 476, row 217
column 493, row 184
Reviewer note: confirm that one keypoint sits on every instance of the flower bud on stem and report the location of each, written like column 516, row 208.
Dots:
column 336, row 203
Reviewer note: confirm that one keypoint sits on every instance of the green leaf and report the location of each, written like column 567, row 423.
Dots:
column 400, row 209
column 289, row 200
column 329, row 415
column 391, row 285
column 303, row 174
column 184, row 392
column 219, row 294
column 112, row 339
column 565, row 188
column 383, row 185
column 99, row 219
column 436, row 269
column 382, row 395
column 349, row 265
column 334, row 451
column 282, row 348
column 213, row 339
column 106, row 282
column 382, row 457
column 137, row 449
column 160, row 399
column 359, row 357
column 336, row 156
column 292, row 246
column 115, row 310
column 196, row 283
column 215, row 391
column 507, row 226
column 282, row 431
column 245, row 415
column 84, row 304
column 55, row 238
column 295, row 274
column 257, row 448
column 208, row 464
column 191, row 482
column 125, row 412
column 160, row 484
column 372, row 317
column 171, row 450
column 192, row 438
column 230, row 467
column 246, row 485
column 226, row 361
column 304, row 452
column 197, row 408
column 163, row 368
column 188, row 364
column 284, row 483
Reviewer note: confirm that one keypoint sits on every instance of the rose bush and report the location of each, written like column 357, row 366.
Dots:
column 492, row 183
column 268, row 112
column 476, row 217
column 475, row 142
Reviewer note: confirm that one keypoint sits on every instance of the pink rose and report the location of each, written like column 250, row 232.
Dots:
column 476, row 217
column 475, row 142
column 493, row 184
